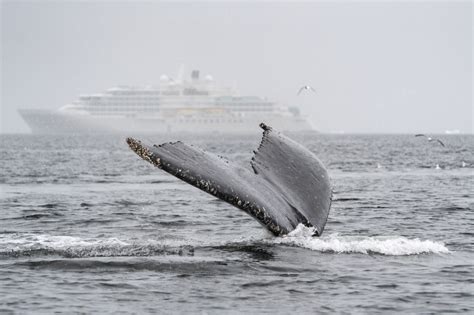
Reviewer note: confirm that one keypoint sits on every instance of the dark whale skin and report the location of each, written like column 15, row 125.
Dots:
column 286, row 185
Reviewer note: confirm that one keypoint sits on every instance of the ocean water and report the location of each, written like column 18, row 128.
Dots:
column 86, row 226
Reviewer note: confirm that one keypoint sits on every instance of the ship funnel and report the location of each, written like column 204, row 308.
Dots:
column 195, row 75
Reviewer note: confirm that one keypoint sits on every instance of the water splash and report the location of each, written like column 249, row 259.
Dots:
column 390, row 246
column 15, row 245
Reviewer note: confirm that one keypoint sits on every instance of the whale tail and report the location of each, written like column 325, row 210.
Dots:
column 285, row 186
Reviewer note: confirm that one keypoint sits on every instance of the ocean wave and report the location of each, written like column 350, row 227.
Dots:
column 334, row 243
column 26, row 245
column 17, row 245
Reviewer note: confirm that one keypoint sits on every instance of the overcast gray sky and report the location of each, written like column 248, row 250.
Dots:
column 378, row 67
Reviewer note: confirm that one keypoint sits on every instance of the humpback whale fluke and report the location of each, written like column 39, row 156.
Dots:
column 288, row 184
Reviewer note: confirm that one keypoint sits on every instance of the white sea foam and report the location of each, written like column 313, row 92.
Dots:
column 391, row 246
column 34, row 241
column 27, row 244
column 70, row 246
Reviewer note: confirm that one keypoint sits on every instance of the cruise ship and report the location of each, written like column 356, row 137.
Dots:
column 197, row 105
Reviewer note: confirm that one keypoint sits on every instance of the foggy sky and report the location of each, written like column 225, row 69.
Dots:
column 399, row 67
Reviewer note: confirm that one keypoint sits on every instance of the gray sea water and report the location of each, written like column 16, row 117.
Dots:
column 86, row 226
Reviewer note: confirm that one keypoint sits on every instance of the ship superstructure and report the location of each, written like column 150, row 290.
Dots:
column 196, row 106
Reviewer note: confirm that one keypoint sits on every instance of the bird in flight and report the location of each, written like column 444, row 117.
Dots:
column 430, row 138
column 306, row 87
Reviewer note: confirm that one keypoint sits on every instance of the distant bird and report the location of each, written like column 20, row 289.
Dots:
column 306, row 87
column 463, row 164
column 437, row 167
column 429, row 138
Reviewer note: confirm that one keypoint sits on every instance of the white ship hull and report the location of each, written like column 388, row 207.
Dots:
column 57, row 122
column 196, row 106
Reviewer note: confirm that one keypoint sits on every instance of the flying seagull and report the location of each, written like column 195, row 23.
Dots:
column 429, row 138
column 306, row 87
